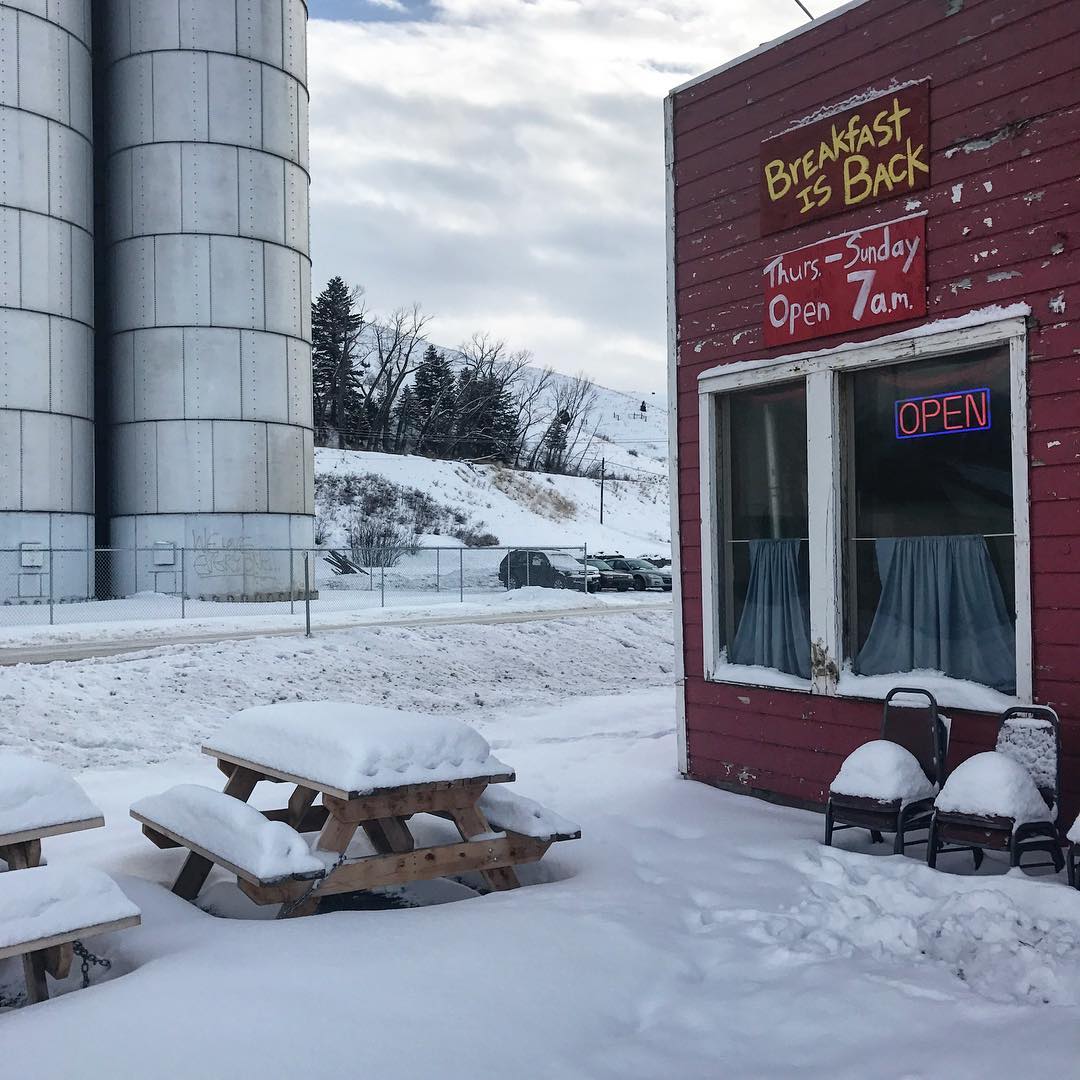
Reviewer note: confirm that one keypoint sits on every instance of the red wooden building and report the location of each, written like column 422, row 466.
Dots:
column 874, row 283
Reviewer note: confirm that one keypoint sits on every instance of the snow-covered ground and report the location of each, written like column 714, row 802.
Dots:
column 690, row 933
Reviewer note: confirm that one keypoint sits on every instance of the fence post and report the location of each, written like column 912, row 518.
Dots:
column 183, row 583
column 461, row 575
column 382, row 586
column 438, row 580
column 307, row 594
column 585, row 560
column 51, row 593
column 292, row 581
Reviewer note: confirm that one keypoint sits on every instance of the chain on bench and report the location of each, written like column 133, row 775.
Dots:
column 312, row 889
column 88, row 958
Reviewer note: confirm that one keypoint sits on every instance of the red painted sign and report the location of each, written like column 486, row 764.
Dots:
column 857, row 156
column 868, row 277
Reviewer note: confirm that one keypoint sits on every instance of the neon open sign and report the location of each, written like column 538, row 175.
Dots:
column 952, row 413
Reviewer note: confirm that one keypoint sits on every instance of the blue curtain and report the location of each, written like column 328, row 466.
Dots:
column 774, row 630
column 941, row 609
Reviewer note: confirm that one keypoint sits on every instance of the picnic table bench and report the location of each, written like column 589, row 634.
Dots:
column 366, row 768
column 44, row 910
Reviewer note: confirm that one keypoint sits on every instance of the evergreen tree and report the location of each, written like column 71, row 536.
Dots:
column 337, row 322
column 435, row 403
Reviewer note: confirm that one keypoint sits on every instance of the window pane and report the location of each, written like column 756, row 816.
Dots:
column 930, row 522
column 766, row 575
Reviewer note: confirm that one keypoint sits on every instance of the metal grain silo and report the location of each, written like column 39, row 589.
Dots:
column 46, row 301
column 206, row 263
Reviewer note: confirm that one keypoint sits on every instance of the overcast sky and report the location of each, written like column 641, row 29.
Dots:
column 501, row 162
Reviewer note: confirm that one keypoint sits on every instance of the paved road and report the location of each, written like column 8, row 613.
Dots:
column 47, row 652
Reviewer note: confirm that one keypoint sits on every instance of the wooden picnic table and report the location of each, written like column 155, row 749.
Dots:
column 382, row 813
column 20, row 849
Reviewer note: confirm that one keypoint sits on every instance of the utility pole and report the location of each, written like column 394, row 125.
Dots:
column 602, row 463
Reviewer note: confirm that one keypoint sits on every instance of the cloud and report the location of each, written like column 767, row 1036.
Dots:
column 502, row 163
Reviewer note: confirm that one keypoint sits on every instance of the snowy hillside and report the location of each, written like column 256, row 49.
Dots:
column 515, row 507
column 632, row 441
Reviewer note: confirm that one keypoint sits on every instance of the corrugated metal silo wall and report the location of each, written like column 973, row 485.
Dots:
column 207, row 349
column 46, row 300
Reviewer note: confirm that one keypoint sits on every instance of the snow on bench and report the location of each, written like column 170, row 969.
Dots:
column 38, row 799
column 884, row 771
column 508, row 811
column 356, row 749
column 46, row 906
column 231, row 833
column 992, row 784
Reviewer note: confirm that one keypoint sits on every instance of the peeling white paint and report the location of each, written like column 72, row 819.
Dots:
column 739, row 336
column 988, row 185
column 699, row 346
column 1057, row 303
column 965, row 230
column 957, row 192
column 988, row 222
column 1057, row 248
column 913, row 204
column 1002, row 275
column 956, row 286
column 1034, row 196
column 1051, row 445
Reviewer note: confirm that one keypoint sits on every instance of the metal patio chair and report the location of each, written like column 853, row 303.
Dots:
column 920, row 730
column 1031, row 736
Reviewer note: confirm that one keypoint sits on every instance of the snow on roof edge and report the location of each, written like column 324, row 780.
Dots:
column 975, row 317
column 765, row 46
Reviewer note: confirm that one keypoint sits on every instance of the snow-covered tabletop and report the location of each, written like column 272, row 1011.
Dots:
column 36, row 798
column 50, row 901
column 993, row 784
column 359, row 749
column 882, row 770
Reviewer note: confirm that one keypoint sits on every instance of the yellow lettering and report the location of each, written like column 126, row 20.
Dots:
column 808, row 166
column 804, row 199
column 882, row 127
column 882, row 178
column 856, row 175
column 898, row 177
column 915, row 162
column 866, row 137
column 895, row 116
column 775, row 173
column 822, row 190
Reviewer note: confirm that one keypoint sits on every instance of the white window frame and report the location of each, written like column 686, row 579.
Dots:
column 822, row 371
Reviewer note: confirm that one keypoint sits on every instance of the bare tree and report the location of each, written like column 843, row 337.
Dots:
column 397, row 344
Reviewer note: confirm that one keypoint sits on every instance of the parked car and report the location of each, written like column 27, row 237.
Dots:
column 610, row 578
column 645, row 575
column 659, row 561
column 546, row 569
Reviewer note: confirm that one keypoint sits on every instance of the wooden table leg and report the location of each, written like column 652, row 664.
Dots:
column 388, row 835
column 335, row 836
column 58, row 960
column 22, row 856
column 299, row 803
column 196, row 868
column 37, row 989
column 471, row 822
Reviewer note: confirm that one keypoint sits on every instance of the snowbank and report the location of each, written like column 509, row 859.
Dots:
column 883, row 770
column 993, row 784
column 235, row 830
column 47, row 900
column 36, row 794
column 357, row 747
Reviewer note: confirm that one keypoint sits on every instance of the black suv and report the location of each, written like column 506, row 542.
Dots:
column 644, row 574
column 548, row 570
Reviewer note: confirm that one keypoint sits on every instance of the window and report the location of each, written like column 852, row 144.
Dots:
column 929, row 555
column 864, row 513
column 765, row 529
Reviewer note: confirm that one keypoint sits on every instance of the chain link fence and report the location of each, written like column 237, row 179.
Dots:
column 55, row 586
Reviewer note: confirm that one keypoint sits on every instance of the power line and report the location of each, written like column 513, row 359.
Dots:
column 804, row 10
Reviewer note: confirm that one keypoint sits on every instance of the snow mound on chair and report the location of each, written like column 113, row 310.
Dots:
column 993, row 784
column 882, row 770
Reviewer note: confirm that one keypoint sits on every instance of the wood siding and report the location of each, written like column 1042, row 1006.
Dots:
column 1003, row 227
